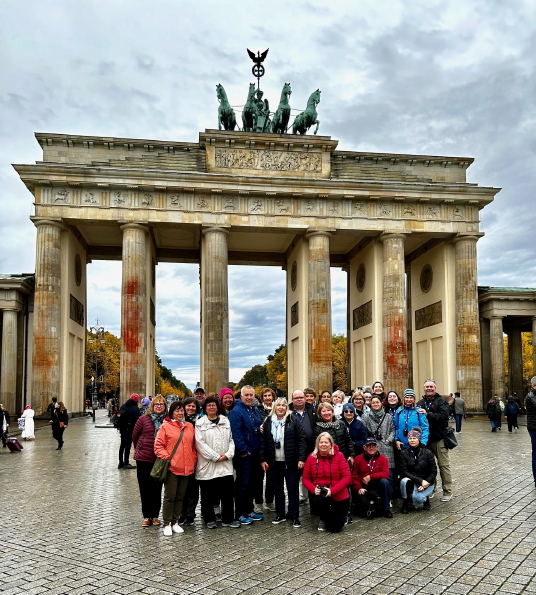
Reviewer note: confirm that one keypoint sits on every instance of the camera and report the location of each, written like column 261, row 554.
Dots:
column 256, row 432
column 406, row 433
column 323, row 491
column 379, row 437
column 277, row 444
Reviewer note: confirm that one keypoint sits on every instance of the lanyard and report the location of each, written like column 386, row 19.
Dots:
column 371, row 464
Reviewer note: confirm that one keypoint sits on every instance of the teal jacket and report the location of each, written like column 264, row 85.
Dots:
column 407, row 418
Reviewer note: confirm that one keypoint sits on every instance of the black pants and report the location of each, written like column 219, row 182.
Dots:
column 248, row 472
column 191, row 498
column 124, row 448
column 57, row 433
column 381, row 487
column 512, row 422
column 333, row 513
column 223, row 489
column 150, row 490
column 268, row 487
column 282, row 474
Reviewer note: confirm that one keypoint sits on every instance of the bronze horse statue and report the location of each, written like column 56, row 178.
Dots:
column 250, row 111
column 282, row 115
column 307, row 118
column 226, row 115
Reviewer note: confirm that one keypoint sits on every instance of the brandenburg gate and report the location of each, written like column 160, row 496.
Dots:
column 404, row 228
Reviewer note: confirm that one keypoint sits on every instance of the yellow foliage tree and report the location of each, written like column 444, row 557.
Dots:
column 276, row 370
column 340, row 362
column 103, row 355
column 526, row 358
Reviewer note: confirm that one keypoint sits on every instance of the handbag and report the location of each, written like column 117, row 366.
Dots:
column 161, row 466
column 21, row 421
column 449, row 439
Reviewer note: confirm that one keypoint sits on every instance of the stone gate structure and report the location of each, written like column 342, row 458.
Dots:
column 403, row 227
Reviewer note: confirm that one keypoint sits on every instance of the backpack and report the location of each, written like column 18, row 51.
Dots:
column 512, row 409
column 368, row 505
column 118, row 421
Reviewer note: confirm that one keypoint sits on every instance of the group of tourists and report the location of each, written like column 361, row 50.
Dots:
column 237, row 454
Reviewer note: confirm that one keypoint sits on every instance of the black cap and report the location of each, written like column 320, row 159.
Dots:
column 370, row 441
column 199, row 389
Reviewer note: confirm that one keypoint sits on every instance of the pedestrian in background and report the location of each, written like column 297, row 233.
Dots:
column 128, row 416
column 460, row 409
column 60, row 421
column 4, row 424
column 512, row 410
column 29, row 427
column 530, row 406
column 143, row 438
column 493, row 411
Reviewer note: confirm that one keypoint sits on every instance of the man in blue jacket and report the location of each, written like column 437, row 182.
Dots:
column 245, row 425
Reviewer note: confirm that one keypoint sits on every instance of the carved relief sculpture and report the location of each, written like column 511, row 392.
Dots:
column 282, row 207
column 147, row 199
column 228, row 203
column 61, row 196
column 409, row 211
column 90, row 198
column 175, row 201
column 118, row 198
column 268, row 160
column 256, row 206
column 432, row 213
column 385, row 209
column 457, row 213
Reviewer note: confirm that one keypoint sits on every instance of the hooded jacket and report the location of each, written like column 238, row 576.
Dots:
column 245, row 424
column 129, row 416
column 530, row 406
column 212, row 440
column 185, row 457
column 358, row 433
column 331, row 471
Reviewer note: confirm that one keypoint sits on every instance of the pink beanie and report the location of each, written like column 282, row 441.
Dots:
column 226, row 391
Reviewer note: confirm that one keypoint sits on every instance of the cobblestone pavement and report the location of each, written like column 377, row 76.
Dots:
column 71, row 524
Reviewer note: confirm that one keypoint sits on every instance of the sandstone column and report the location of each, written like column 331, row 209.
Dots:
column 133, row 370
column 8, row 375
column 395, row 351
column 497, row 356
column 47, row 315
column 468, row 369
column 515, row 362
column 319, row 312
column 215, row 310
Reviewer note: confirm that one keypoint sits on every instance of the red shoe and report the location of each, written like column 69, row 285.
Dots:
column 156, row 522
column 146, row 523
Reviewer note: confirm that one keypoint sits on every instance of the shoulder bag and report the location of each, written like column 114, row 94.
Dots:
column 161, row 466
column 449, row 439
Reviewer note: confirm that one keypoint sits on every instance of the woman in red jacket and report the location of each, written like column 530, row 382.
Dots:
column 327, row 476
column 181, row 465
column 143, row 437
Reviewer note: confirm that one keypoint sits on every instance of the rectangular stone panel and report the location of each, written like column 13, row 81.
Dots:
column 152, row 312
column 428, row 316
column 362, row 315
column 76, row 311
column 294, row 314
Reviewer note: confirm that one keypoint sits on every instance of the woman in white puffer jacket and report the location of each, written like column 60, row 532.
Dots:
column 214, row 468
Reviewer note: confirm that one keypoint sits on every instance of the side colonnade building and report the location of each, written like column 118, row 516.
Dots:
column 404, row 227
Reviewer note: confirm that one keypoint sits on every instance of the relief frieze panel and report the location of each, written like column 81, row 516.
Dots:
column 362, row 315
column 268, row 160
column 429, row 316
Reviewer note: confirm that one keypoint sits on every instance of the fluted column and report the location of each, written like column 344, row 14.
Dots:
column 468, row 368
column 395, row 349
column 515, row 362
column 497, row 355
column 215, row 310
column 8, row 374
column 133, row 370
column 47, row 315
column 319, row 311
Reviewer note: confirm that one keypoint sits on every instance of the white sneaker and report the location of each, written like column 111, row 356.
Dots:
column 177, row 528
column 446, row 498
column 168, row 532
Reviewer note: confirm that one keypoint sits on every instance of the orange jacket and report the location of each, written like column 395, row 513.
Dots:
column 185, row 457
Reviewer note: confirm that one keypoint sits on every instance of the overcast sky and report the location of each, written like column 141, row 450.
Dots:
column 435, row 77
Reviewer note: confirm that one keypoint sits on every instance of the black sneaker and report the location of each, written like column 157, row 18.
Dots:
column 189, row 522
column 296, row 523
column 128, row 466
column 121, row 465
column 278, row 520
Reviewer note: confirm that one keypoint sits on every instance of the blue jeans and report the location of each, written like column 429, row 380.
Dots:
column 458, row 417
column 493, row 422
column 419, row 498
column 532, row 434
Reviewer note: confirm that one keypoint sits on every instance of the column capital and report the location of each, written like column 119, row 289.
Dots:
column 142, row 226
column 318, row 233
column 38, row 222
column 495, row 317
column 386, row 235
column 215, row 229
column 472, row 237
column 10, row 309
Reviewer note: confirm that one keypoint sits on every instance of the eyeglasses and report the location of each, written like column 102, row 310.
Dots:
column 159, row 405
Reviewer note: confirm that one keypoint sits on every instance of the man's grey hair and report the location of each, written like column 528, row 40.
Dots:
column 244, row 388
column 533, row 380
column 296, row 392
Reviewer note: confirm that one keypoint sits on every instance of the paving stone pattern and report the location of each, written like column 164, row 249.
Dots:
column 71, row 524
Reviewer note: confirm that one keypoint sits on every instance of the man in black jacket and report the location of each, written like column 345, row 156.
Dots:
column 304, row 413
column 129, row 414
column 530, row 406
column 436, row 409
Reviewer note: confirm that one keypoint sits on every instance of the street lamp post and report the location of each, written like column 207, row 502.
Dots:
column 98, row 331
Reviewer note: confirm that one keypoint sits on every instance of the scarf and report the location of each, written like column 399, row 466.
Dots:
column 157, row 421
column 377, row 416
column 277, row 428
column 328, row 424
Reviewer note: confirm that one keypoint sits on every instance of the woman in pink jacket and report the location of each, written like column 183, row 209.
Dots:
column 181, row 466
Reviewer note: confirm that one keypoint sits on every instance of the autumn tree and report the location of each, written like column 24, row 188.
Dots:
column 276, row 369
column 339, row 349
column 166, row 383
column 103, row 355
